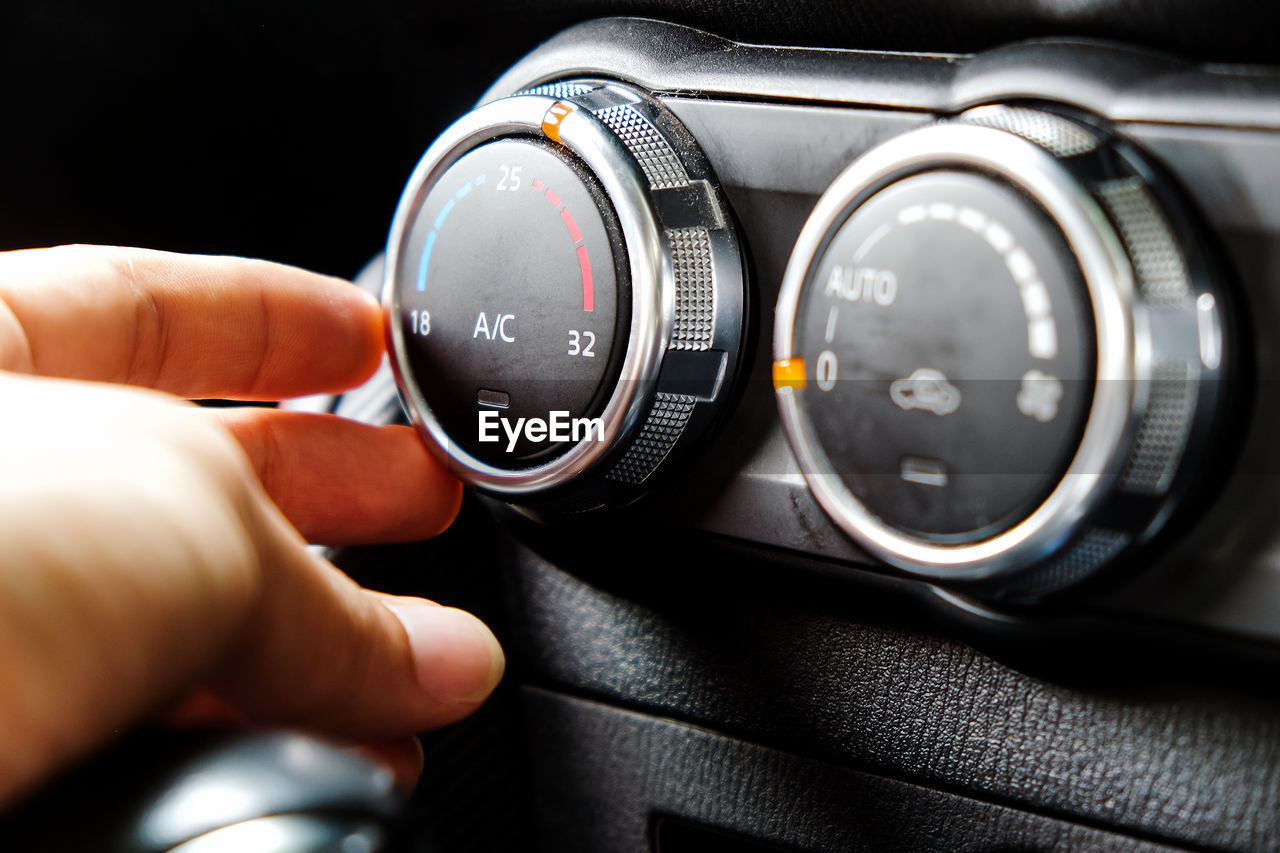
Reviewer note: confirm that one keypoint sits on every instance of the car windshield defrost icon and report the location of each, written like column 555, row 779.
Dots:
column 926, row 389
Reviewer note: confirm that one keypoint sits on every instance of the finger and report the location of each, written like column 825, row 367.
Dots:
column 340, row 482
column 320, row 652
column 323, row 653
column 197, row 326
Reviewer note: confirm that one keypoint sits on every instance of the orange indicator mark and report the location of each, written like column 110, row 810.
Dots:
column 551, row 121
column 788, row 373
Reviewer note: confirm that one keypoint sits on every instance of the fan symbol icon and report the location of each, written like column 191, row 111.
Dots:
column 1039, row 395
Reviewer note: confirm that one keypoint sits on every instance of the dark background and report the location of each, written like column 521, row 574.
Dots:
column 285, row 130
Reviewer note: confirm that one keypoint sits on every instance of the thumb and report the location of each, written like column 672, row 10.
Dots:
column 319, row 651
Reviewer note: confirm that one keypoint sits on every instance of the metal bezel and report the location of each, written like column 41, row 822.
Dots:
column 1122, row 348
column 652, row 299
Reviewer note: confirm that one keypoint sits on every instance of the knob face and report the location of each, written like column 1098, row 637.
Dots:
column 509, row 221
column 565, row 296
column 997, row 351
column 951, row 355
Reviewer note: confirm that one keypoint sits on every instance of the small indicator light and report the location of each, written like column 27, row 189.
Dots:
column 925, row 472
column 493, row 399
column 551, row 121
column 788, row 373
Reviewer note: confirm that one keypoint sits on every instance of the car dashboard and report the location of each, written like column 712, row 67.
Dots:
column 932, row 502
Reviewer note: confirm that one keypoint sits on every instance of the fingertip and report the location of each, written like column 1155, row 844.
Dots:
column 450, row 491
column 365, row 315
column 368, row 298
column 316, row 333
column 457, row 660
column 437, row 493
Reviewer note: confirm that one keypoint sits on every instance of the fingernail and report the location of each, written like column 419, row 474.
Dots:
column 457, row 658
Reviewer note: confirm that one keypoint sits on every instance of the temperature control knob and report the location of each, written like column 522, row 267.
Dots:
column 565, row 295
column 998, row 350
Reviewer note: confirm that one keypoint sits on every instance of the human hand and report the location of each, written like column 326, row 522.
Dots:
column 148, row 546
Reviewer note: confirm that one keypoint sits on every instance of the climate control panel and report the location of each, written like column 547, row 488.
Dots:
column 1010, row 311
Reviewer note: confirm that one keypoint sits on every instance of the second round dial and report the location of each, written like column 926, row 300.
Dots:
column 950, row 393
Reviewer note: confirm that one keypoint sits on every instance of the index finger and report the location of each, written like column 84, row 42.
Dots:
column 193, row 325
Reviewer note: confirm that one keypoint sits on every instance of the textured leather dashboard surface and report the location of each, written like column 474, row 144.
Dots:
column 594, row 763
column 1177, row 762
